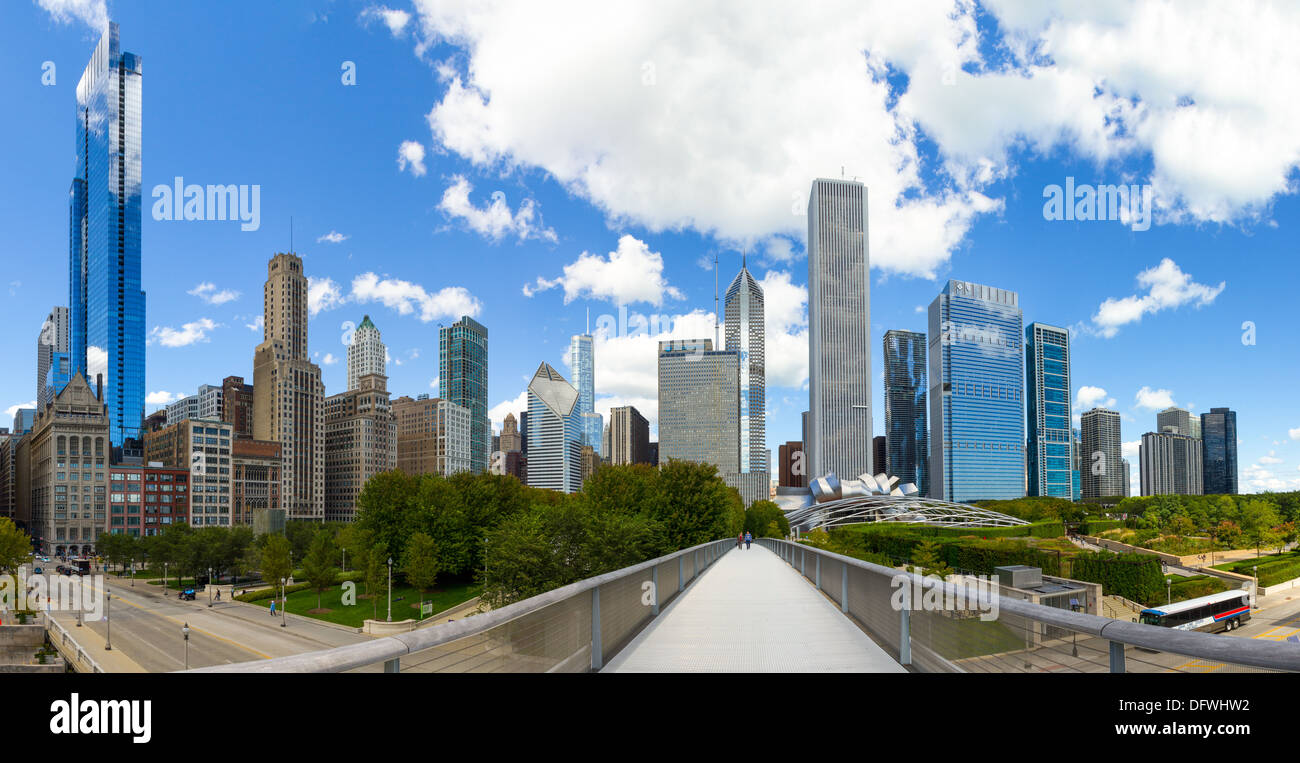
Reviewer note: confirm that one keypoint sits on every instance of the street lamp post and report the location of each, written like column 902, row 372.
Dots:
column 209, row 588
column 133, row 572
column 284, row 601
column 108, row 621
column 166, row 592
column 1169, row 591
column 390, row 589
column 345, row 560
column 185, row 631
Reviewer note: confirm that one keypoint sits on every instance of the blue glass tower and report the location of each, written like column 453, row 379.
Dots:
column 1047, row 399
column 977, row 419
column 106, row 303
column 906, row 432
column 582, row 360
column 463, row 379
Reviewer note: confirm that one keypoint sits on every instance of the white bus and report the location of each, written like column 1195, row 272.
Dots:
column 1223, row 611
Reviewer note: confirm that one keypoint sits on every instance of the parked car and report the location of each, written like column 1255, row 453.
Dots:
column 187, row 594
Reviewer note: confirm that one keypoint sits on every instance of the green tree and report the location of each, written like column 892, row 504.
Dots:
column 275, row 560
column 694, row 506
column 926, row 559
column 534, row 552
column 318, row 566
column 15, row 546
column 420, row 562
column 761, row 515
column 376, row 574
column 1258, row 518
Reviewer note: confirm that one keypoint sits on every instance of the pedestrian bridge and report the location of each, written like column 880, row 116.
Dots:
column 781, row 606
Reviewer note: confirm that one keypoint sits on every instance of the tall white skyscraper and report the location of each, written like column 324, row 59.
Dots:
column 554, row 432
column 582, row 360
column 52, row 341
column 745, row 335
column 366, row 354
column 839, row 327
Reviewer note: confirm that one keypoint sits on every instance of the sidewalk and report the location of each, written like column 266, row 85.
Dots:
column 111, row 660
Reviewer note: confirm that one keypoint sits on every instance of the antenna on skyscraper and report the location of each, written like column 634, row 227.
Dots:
column 290, row 234
column 588, row 321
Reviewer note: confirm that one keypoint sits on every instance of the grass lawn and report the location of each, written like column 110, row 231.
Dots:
column 405, row 602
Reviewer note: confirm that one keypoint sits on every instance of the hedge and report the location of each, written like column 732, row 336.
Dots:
column 1051, row 528
column 1134, row 576
column 1094, row 526
column 967, row 554
column 1194, row 587
column 266, row 593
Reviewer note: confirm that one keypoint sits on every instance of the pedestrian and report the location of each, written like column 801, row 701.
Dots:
column 218, row 594
column 749, row 538
column 740, row 540
column 272, row 607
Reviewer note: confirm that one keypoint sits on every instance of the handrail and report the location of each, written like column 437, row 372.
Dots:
column 81, row 653
column 352, row 656
column 1249, row 652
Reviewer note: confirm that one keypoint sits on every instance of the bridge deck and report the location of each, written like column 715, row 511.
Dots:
column 751, row 612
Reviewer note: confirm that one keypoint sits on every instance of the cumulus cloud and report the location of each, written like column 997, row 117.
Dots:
column 190, row 333
column 333, row 237
column 785, row 319
column 395, row 19
column 12, row 410
column 1130, row 450
column 412, row 299
column 162, row 397
column 323, row 294
column 1089, row 397
column 494, row 221
column 259, row 323
column 497, row 413
column 410, row 155
column 93, row 13
column 631, row 273
column 1167, row 287
column 1154, row 399
column 1271, row 458
column 208, row 292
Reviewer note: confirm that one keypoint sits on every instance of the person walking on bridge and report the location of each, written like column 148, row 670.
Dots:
column 749, row 538
column 740, row 540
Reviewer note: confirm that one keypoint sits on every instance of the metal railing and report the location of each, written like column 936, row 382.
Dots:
column 1024, row 637
column 574, row 629
column 64, row 642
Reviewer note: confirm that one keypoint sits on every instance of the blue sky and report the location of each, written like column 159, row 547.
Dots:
column 538, row 165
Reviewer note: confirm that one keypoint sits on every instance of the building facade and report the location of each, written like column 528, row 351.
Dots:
column 366, row 354
column 433, row 436
column 1050, row 458
column 582, row 362
column 1218, row 432
column 629, row 436
column 1103, row 472
column 52, row 342
column 906, row 430
column 288, row 394
column 745, row 334
column 1171, row 464
column 237, row 406
column 203, row 447
column 791, row 472
column 360, row 441
column 977, row 419
column 839, row 330
column 463, row 379
column 511, row 441
column 554, row 432
column 106, row 304
column 255, row 482
column 1176, row 420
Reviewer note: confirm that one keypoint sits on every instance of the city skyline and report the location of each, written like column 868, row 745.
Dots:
column 1150, row 371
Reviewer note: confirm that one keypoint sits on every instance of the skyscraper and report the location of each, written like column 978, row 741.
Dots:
column 432, row 436
column 582, row 360
column 367, row 354
column 745, row 335
column 1103, row 472
column 1047, row 391
column 1171, row 464
column 629, row 436
column 463, row 379
column 554, row 432
column 906, row 430
column 839, row 329
column 288, row 394
column 511, row 442
column 1219, row 436
column 977, row 418
column 52, row 341
column 1179, row 419
column 360, row 441
column 106, row 306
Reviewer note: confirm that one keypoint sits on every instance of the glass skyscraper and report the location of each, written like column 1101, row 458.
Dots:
column 1047, row 393
column 977, row 420
column 745, row 335
column 582, row 360
column 906, row 431
column 106, row 303
column 1219, row 437
column 463, row 379
column 555, row 432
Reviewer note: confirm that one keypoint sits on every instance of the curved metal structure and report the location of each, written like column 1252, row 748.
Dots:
column 832, row 502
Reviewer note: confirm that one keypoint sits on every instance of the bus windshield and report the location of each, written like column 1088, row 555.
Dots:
column 1151, row 618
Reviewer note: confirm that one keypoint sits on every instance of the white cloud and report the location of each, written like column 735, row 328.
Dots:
column 1168, row 287
column 632, row 273
column 1294, row 434
column 259, row 323
column 785, row 318
column 12, row 410
column 162, row 397
column 497, row 413
column 411, row 155
column 333, row 237
column 190, row 333
column 1154, row 399
column 494, row 221
column 323, row 294
column 410, row 298
column 1271, row 458
column 1130, row 450
column 626, row 349
column 93, row 13
column 1092, row 397
column 395, row 20
column 329, row 359
column 207, row 291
